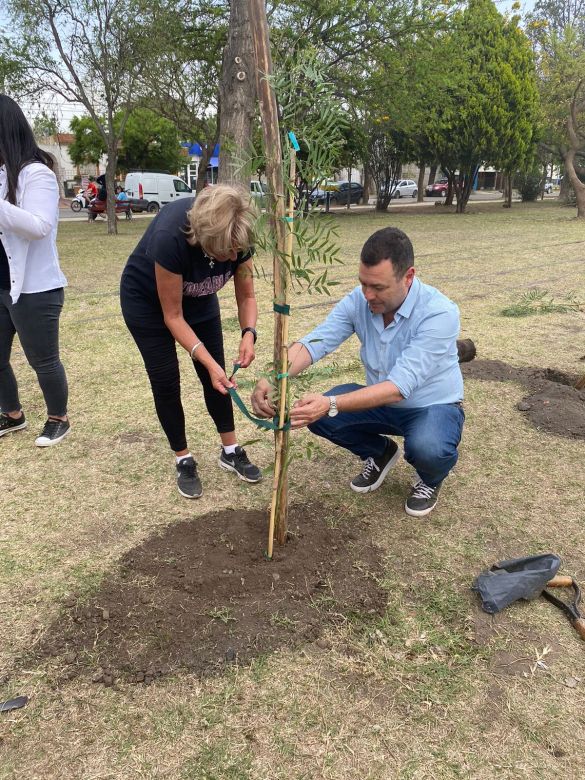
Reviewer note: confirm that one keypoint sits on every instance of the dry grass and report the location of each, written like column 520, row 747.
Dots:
column 428, row 693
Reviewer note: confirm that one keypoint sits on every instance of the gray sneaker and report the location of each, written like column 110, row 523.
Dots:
column 422, row 499
column 188, row 482
column 375, row 469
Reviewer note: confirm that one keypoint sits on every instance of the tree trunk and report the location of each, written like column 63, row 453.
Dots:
column 277, row 209
column 507, row 204
column 432, row 174
column 576, row 183
column 421, row 182
column 111, row 184
column 367, row 185
column 237, row 96
column 450, row 189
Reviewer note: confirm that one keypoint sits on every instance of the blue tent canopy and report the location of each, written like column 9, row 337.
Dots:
column 195, row 150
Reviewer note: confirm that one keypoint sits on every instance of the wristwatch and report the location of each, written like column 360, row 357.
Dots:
column 333, row 410
column 250, row 330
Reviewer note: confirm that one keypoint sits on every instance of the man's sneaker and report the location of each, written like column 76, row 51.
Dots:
column 375, row 469
column 239, row 463
column 422, row 499
column 188, row 482
column 8, row 424
column 53, row 432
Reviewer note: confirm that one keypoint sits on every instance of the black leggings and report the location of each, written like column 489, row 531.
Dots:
column 158, row 350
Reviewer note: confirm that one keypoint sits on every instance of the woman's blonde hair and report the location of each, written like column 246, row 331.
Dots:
column 222, row 219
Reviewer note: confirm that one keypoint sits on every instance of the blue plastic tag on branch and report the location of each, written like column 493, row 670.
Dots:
column 294, row 143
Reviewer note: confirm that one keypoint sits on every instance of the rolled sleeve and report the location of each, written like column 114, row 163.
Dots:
column 37, row 214
column 333, row 331
column 435, row 336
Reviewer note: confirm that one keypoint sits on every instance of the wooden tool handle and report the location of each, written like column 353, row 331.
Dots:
column 560, row 581
column 580, row 627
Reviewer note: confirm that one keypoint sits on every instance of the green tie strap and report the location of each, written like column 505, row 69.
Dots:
column 266, row 424
column 281, row 308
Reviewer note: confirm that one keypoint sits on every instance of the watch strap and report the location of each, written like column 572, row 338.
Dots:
column 250, row 330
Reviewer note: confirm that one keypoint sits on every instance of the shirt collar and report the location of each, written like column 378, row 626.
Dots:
column 408, row 303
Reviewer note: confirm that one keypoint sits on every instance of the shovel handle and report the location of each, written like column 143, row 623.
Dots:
column 580, row 627
column 560, row 581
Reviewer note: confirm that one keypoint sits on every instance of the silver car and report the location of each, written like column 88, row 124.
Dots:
column 405, row 188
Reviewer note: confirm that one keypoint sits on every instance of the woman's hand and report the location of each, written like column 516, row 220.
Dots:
column 247, row 353
column 262, row 399
column 219, row 378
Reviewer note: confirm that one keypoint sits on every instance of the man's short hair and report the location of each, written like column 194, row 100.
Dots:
column 389, row 244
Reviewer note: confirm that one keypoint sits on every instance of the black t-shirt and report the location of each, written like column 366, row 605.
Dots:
column 4, row 270
column 165, row 243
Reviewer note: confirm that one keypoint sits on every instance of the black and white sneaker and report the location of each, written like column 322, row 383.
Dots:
column 9, row 424
column 188, row 482
column 422, row 499
column 239, row 463
column 375, row 469
column 53, row 432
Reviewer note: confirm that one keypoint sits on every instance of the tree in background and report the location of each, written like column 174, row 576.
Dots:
column 88, row 145
column 89, row 52
column 557, row 29
column 45, row 125
column 478, row 116
column 149, row 141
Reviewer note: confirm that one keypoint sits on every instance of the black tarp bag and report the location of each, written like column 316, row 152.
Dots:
column 521, row 578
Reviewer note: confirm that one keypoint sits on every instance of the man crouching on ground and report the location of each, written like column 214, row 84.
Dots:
column 414, row 388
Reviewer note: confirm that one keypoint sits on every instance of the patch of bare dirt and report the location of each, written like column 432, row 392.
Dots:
column 553, row 403
column 202, row 596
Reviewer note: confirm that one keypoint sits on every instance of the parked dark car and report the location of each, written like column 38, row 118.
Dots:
column 438, row 188
column 339, row 193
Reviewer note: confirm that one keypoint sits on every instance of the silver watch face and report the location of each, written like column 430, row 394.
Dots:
column 332, row 406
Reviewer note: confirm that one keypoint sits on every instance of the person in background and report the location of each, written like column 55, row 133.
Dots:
column 120, row 194
column 168, row 293
column 92, row 189
column 31, row 281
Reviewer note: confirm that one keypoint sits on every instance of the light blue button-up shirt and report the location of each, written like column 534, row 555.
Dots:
column 417, row 351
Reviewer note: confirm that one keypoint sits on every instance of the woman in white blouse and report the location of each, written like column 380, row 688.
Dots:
column 31, row 281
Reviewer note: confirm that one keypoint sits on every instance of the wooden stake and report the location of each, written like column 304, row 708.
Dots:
column 271, row 133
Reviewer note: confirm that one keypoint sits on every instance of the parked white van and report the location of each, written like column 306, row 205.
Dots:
column 156, row 188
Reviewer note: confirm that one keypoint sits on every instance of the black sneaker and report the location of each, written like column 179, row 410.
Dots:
column 188, row 482
column 375, row 469
column 8, row 424
column 422, row 499
column 53, row 432
column 239, row 463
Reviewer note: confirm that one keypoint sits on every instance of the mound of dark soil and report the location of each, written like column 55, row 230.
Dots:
column 553, row 404
column 202, row 595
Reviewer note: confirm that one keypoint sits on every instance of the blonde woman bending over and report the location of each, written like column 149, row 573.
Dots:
column 169, row 295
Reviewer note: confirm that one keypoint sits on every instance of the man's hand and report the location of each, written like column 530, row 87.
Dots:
column 310, row 408
column 262, row 399
column 247, row 353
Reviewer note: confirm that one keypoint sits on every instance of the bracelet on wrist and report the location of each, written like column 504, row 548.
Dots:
column 194, row 349
column 250, row 330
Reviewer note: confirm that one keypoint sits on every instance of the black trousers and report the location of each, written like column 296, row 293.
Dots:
column 158, row 349
column 35, row 318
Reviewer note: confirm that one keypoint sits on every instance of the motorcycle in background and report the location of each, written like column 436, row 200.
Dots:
column 80, row 201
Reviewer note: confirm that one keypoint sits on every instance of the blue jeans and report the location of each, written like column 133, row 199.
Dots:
column 431, row 433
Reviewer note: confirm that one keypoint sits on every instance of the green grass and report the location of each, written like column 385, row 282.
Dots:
column 413, row 694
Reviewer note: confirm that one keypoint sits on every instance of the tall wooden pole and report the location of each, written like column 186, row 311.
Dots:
column 276, row 206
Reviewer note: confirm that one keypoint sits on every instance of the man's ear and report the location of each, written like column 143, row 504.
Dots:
column 410, row 274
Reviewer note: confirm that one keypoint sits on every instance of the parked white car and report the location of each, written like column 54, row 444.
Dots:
column 156, row 188
column 405, row 188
